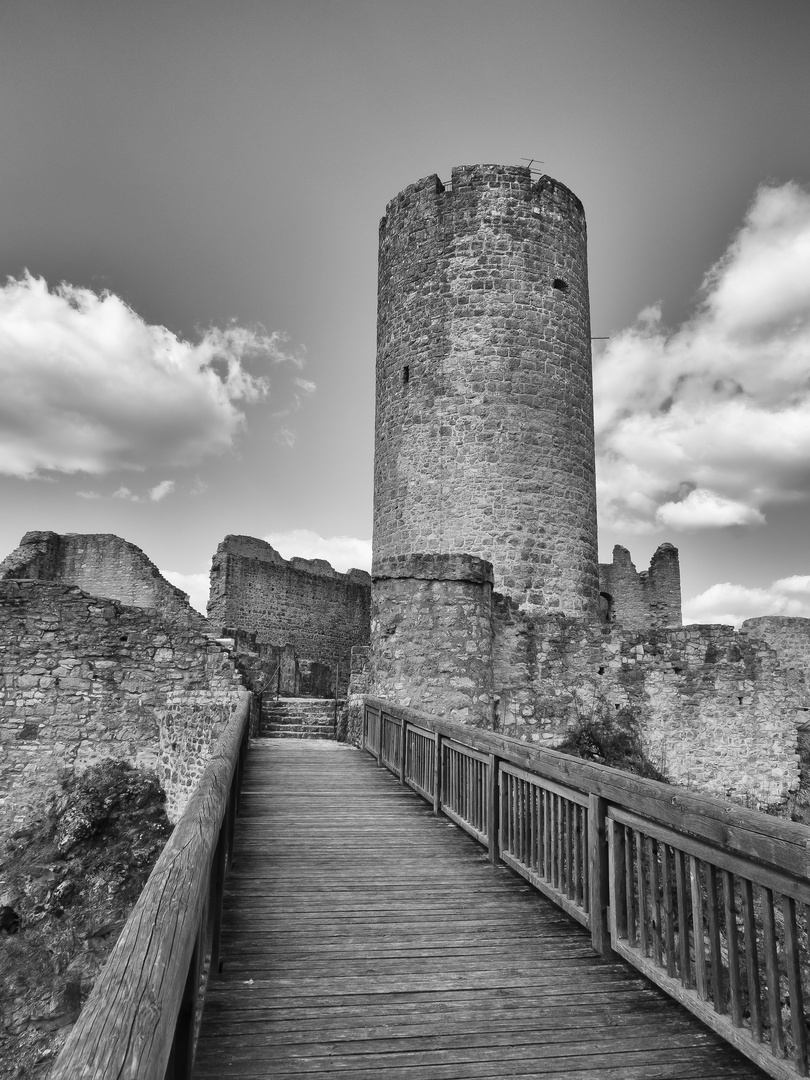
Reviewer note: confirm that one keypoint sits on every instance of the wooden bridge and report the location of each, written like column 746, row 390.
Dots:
column 518, row 931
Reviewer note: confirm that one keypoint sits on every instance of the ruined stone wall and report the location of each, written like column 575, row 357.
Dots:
column 715, row 709
column 651, row 598
column 790, row 639
column 301, row 602
column 103, row 565
column 84, row 678
column 432, row 635
column 484, row 426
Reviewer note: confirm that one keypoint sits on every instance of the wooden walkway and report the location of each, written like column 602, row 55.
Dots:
column 365, row 937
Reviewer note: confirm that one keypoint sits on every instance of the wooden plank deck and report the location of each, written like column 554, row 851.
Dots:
column 365, row 937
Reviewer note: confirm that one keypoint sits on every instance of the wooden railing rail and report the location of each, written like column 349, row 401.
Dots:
column 141, row 1019
column 710, row 900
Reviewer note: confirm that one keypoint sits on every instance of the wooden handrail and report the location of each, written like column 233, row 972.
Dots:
column 140, row 1020
column 707, row 898
column 772, row 841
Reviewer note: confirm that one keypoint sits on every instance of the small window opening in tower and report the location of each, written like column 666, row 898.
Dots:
column 605, row 610
column 560, row 284
column 406, row 374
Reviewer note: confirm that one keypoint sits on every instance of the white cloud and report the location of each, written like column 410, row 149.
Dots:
column 343, row 552
column 708, row 425
column 196, row 585
column 702, row 509
column 88, row 494
column 88, row 386
column 124, row 493
column 161, row 490
column 728, row 603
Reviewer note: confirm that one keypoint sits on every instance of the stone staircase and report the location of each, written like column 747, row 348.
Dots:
column 298, row 718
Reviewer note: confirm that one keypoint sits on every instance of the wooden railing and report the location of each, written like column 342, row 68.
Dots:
column 141, row 1019
column 708, row 899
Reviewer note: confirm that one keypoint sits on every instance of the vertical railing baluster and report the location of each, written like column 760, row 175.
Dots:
column 618, row 894
column 629, row 869
column 701, row 984
column 641, row 889
column 715, row 956
column 655, row 901
column 683, row 919
column 598, row 872
column 752, row 959
column 772, row 973
column 493, row 805
column 669, row 914
column 798, row 1026
column 732, row 950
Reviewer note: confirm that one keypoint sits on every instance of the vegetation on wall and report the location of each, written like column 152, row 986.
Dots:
column 70, row 875
column 611, row 737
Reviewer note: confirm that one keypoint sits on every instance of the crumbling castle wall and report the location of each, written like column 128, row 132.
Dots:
column 715, row 709
column 301, row 602
column 651, row 598
column 84, row 678
column 789, row 637
column 432, row 635
column 484, row 433
column 103, row 565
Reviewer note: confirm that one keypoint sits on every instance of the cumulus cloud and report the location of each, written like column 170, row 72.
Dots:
column 196, row 585
column 89, row 386
column 161, row 490
column 707, row 425
column 729, row 603
column 343, row 552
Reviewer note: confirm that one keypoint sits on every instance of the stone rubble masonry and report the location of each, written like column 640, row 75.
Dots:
column 716, row 709
column 102, row 565
column 303, row 603
column 789, row 637
column 651, row 598
column 484, row 430
column 431, row 635
column 84, row 678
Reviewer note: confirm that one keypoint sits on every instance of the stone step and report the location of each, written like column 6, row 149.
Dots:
column 298, row 718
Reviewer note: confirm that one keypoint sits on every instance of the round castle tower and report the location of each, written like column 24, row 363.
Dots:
column 484, row 429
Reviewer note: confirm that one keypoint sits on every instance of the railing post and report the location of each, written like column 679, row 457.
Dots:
column 380, row 730
column 403, row 750
column 599, row 874
column 182, row 1053
column 437, row 776
column 218, row 888
column 493, row 805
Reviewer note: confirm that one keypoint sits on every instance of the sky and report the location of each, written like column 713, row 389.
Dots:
column 190, row 194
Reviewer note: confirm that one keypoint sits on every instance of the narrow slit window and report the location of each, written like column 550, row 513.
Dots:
column 406, row 375
column 560, row 284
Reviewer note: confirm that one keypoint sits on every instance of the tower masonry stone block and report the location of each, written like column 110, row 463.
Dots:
column 484, row 428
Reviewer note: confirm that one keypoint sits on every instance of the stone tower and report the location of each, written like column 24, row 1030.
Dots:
column 484, row 427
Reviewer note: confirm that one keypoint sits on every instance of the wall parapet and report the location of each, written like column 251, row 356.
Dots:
column 302, row 603
column 84, row 678
column 100, row 564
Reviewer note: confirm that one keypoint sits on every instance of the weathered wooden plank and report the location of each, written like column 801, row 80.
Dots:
column 368, row 954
